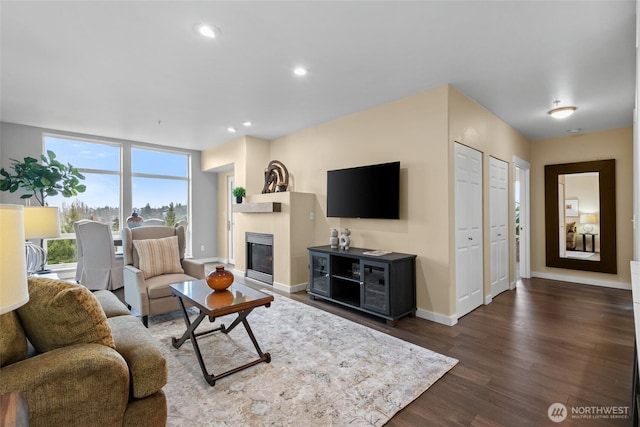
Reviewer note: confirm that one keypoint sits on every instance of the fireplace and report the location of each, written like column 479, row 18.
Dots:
column 260, row 257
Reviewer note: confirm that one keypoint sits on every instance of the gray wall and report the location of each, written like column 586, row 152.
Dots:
column 19, row 141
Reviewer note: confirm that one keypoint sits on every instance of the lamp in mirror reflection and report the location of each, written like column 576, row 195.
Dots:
column 40, row 222
column 587, row 221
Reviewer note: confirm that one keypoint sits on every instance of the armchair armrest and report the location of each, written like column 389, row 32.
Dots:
column 193, row 268
column 61, row 385
column 135, row 290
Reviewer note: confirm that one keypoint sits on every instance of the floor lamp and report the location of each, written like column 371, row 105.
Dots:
column 40, row 222
column 13, row 272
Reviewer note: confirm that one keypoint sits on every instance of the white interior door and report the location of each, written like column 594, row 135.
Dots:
column 499, row 225
column 230, row 224
column 468, row 229
column 522, row 174
column 563, row 236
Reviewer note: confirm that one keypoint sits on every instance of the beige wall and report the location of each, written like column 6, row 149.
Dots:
column 412, row 130
column 612, row 144
column 419, row 131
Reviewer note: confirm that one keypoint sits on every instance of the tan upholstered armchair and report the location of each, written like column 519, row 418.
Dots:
column 153, row 260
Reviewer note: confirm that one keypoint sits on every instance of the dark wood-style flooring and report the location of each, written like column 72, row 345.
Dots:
column 545, row 342
column 542, row 343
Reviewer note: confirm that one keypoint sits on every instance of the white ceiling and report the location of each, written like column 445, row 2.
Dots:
column 116, row 69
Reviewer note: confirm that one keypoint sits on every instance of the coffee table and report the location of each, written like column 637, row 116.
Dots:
column 238, row 298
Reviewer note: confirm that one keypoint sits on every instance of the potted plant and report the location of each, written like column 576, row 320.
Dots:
column 239, row 192
column 40, row 180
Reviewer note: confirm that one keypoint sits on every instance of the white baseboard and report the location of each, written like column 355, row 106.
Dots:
column 276, row 285
column 582, row 280
column 436, row 317
column 290, row 289
column 488, row 299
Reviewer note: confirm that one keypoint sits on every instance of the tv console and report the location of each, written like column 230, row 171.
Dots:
column 383, row 285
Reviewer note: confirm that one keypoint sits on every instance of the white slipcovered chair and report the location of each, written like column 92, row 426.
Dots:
column 98, row 266
column 78, row 249
column 151, row 265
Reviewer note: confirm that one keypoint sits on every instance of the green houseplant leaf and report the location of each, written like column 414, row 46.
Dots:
column 39, row 180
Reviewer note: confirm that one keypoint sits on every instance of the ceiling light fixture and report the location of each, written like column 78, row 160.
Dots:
column 300, row 71
column 231, row 130
column 246, row 124
column 561, row 112
column 207, row 31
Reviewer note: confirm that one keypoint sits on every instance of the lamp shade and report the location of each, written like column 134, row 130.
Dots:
column 13, row 271
column 41, row 222
column 588, row 219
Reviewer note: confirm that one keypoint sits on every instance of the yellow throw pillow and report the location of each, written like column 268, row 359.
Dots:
column 158, row 256
column 60, row 314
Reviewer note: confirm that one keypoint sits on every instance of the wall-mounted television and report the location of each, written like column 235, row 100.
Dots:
column 371, row 191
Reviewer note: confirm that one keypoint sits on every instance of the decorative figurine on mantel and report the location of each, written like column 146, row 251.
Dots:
column 276, row 177
column 333, row 240
column 344, row 239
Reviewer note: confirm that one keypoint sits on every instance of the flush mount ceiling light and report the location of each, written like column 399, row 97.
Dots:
column 300, row 71
column 207, row 31
column 246, row 123
column 561, row 112
column 231, row 130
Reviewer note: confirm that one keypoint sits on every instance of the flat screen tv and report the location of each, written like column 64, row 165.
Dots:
column 364, row 192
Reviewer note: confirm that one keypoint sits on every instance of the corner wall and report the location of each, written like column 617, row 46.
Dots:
column 611, row 144
column 412, row 130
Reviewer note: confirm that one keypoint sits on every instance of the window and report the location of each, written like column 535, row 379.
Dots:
column 100, row 164
column 160, row 186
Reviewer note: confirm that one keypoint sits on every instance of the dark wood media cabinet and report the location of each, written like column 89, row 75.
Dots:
column 383, row 286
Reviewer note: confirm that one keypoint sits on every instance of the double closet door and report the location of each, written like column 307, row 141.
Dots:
column 469, row 226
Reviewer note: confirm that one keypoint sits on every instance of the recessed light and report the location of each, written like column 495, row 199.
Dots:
column 246, row 124
column 577, row 130
column 231, row 130
column 300, row 71
column 207, row 31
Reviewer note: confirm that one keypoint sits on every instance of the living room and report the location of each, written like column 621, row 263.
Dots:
column 419, row 129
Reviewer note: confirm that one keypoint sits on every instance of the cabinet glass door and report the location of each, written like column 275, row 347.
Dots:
column 375, row 287
column 319, row 279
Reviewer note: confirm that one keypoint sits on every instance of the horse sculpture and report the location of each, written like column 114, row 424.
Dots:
column 276, row 177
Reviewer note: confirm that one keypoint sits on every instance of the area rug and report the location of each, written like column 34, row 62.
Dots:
column 324, row 371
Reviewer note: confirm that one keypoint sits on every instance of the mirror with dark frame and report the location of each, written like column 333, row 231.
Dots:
column 580, row 216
